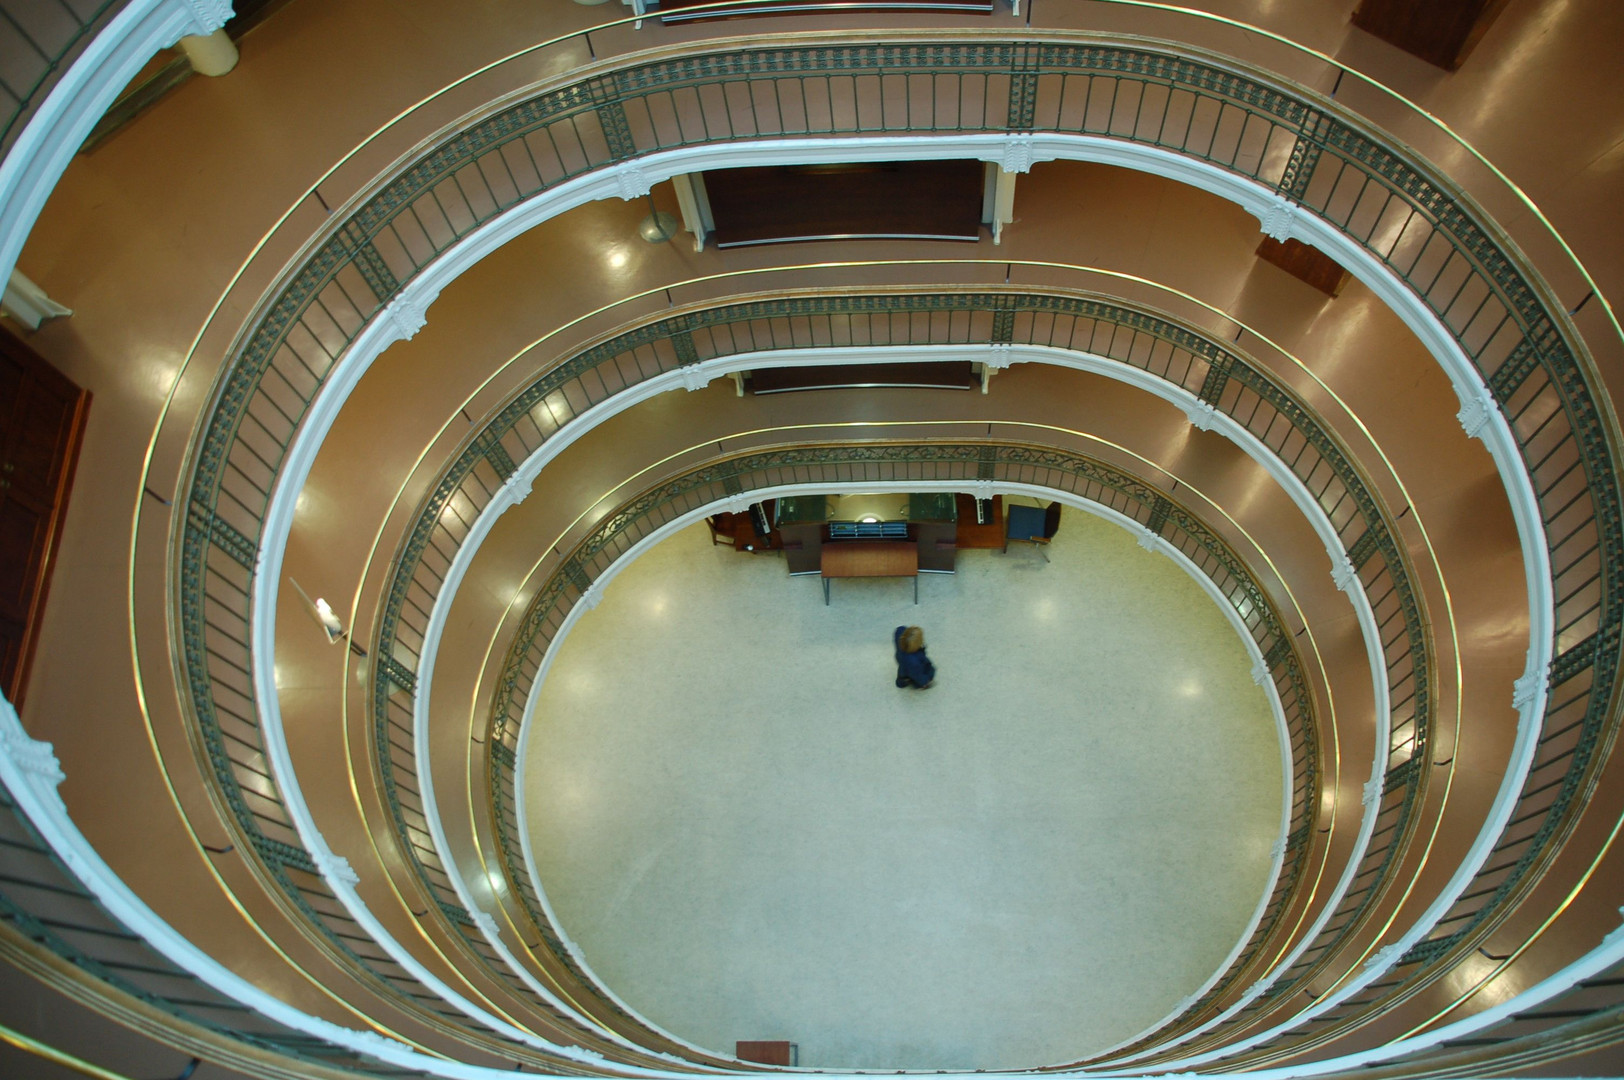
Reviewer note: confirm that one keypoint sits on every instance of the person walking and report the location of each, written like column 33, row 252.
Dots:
column 913, row 666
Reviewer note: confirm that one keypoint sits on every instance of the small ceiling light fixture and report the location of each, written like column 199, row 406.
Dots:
column 870, row 518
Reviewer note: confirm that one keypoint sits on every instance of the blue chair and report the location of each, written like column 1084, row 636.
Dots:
column 1032, row 524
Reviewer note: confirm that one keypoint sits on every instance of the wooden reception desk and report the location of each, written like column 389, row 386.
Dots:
column 809, row 524
column 870, row 558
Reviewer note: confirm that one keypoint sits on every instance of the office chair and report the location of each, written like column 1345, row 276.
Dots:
column 1033, row 525
column 721, row 528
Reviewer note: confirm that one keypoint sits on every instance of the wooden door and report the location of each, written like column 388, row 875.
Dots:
column 42, row 416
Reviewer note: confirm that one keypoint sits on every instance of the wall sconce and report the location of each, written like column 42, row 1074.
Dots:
column 323, row 613
column 329, row 621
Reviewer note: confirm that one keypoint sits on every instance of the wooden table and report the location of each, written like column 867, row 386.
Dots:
column 776, row 1052
column 870, row 558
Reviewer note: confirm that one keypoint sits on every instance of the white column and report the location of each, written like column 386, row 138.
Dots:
column 1003, row 203
column 210, row 54
column 693, row 218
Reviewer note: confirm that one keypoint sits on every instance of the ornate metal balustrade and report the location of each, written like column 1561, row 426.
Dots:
column 844, row 464
column 46, row 912
column 44, row 909
column 1145, row 340
column 39, row 40
column 856, row 463
column 1317, row 158
column 1588, row 1017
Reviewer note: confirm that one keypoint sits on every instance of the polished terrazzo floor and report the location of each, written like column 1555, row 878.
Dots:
column 750, row 833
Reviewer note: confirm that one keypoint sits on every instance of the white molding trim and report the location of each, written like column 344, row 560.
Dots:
column 80, row 98
column 27, row 303
column 1256, row 199
column 82, row 95
column 1007, row 354
column 29, row 771
column 370, row 342
column 1276, row 709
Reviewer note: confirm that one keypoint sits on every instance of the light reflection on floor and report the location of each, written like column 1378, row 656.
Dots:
column 752, row 834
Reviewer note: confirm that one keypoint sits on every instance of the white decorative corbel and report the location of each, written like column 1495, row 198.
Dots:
column 1277, row 218
column 206, row 16
column 1260, row 671
column 1343, row 572
column 982, row 489
column 593, row 595
column 485, row 922
column 996, row 358
column 1616, row 934
column 1527, row 697
column 1384, row 957
column 518, row 488
column 1017, row 156
column 633, row 180
column 695, row 378
column 35, row 759
column 333, row 867
column 1253, row 992
column 1278, row 852
column 407, row 313
column 1147, row 538
column 1373, row 791
column 1477, row 407
column 1526, row 690
column 373, row 1041
column 1200, row 413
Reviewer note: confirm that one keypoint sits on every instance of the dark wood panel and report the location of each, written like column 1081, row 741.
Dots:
column 23, row 524
column 42, row 417
column 971, row 535
column 1441, row 32
column 803, row 546
column 947, row 375
column 741, row 529
column 938, row 547
column 1306, row 263
column 930, row 200
column 776, row 1052
column 680, row 10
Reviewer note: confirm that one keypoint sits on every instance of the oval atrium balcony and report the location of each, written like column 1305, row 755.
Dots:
column 472, row 473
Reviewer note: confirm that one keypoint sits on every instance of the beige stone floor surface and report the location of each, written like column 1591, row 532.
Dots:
column 751, row 833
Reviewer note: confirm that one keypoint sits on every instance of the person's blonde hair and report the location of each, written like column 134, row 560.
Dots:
column 913, row 639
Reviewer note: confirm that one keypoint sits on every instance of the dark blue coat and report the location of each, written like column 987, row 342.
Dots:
column 912, row 667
